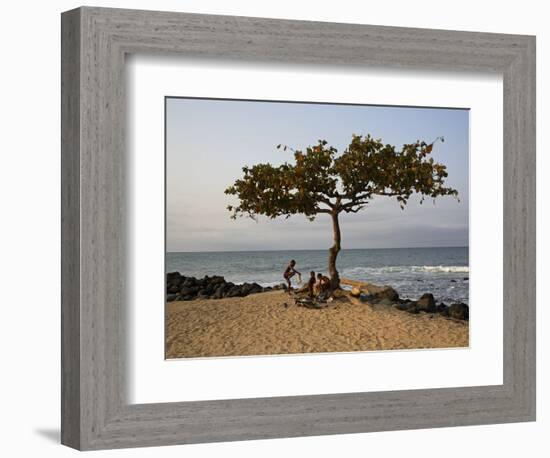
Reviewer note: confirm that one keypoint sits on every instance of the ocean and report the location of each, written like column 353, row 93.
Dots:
column 444, row 272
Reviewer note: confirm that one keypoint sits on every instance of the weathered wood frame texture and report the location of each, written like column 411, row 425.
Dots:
column 95, row 41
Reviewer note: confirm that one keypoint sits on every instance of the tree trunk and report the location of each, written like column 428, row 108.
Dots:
column 333, row 252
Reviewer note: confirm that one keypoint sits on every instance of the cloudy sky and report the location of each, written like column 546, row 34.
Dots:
column 209, row 141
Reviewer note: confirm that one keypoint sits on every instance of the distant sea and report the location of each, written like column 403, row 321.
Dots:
column 444, row 272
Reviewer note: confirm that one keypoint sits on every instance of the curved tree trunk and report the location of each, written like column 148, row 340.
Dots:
column 333, row 252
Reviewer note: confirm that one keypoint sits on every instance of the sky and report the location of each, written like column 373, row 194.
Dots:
column 209, row 141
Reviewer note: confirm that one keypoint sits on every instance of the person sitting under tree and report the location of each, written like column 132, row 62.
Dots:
column 309, row 287
column 290, row 271
column 323, row 284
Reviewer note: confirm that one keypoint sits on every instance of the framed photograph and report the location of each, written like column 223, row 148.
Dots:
column 277, row 228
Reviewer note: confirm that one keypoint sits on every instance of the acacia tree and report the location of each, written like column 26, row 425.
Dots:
column 321, row 181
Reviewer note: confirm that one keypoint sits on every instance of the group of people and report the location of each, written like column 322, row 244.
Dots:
column 317, row 284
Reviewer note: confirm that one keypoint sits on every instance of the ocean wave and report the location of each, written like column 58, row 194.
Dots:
column 405, row 269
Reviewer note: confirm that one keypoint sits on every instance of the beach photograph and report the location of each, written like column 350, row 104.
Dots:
column 299, row 227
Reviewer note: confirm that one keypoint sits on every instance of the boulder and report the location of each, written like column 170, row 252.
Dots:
column 235, row 291
column 171, row 297
column 188, row 291
column 218, row 294
column 385, row 301
column 217, row 280
column 173, row 282
column 203, row 294
column 459, row 311
column 172, row 288
column 405, row 306
column 426, row 303
column 387, row 293
column 246, row 288
column 172, row 276
column 210, row 288
column 442, row 308
column 189, row 282
column 214, row 287
column 256, row 289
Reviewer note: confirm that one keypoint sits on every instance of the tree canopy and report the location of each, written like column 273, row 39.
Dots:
column 323, row 181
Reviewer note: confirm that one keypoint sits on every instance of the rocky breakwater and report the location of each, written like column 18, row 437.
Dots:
column 386, row 295
column 182, row 288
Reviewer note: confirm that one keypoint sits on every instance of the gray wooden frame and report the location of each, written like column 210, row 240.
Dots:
column 95, row 413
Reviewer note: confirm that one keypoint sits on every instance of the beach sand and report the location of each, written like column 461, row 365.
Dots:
column 261, row 324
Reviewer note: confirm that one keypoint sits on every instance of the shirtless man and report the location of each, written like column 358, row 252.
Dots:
column 290, row 271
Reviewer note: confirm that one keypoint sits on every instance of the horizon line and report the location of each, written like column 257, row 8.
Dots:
column 322, row 249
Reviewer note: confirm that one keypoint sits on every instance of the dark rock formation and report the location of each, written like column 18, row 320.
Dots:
column 182, row 288
column 426, row 303
column 459, row 311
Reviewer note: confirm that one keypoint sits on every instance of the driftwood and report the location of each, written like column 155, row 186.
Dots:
column 364, row 287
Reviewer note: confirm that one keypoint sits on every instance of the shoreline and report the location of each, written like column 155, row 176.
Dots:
column 183, row 288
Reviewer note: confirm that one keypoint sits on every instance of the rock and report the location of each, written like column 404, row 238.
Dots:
column 203, row 294
column 459, row 311
column 426, row 303
column 173, row 282
column 414, row 310
column 218, row 294
column 172, row 276
column 465, row 279
column 173, row 288
column 190, row 282
column 210, row 288
column 215, row 287
column 453, row 280
column 246, row 288
column 387, row 293
column 188, row 291
column 385, row 301
column 256, row 288
column 355, row 292
column 171, row 297
column 217, row 280
column 405, row 306
column 441, row 308
column 235, row 291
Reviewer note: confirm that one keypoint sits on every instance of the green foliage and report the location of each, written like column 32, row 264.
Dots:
column 322, row 181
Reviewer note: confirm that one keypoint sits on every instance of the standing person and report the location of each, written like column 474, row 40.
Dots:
column 290, row 271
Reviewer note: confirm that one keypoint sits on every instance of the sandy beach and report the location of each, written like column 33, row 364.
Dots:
column 271, row 323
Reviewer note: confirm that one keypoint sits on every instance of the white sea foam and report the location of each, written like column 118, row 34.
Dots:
column 405, row 269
